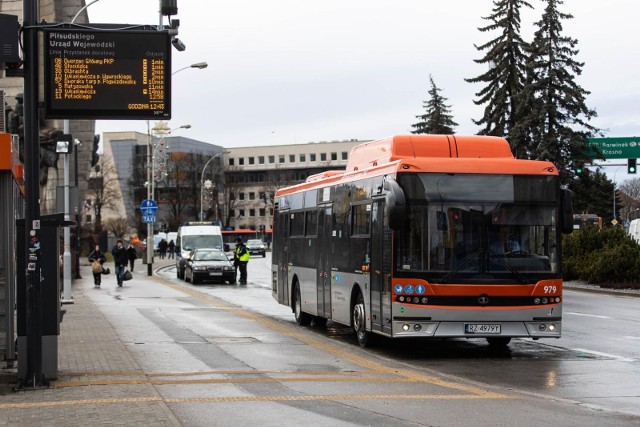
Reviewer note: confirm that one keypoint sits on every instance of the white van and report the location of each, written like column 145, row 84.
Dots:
column 195, row 235
column 634, row 230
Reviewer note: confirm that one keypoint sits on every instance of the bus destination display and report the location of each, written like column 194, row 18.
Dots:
column 107, row 74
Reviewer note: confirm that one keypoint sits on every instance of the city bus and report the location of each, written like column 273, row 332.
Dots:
column 229, row 236
column 405, row 242
column 582, row 220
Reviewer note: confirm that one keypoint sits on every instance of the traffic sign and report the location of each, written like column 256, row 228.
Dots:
column 615, row 148
column 148, row 207
column 148, row 219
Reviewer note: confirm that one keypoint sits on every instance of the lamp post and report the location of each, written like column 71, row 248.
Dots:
column 202, row 182
column 162, row 129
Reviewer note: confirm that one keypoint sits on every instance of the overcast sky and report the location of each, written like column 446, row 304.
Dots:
column 294, row 71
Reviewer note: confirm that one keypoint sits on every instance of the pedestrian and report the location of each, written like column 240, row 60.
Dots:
column 172, row 248
column 131, row 253
column 121, row 259
column 97, row 258
column 162, row 248
column 240, row 259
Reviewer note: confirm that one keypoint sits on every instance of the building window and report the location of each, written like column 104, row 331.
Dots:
column 280, row 158
column 232, row 161
column 240, row 213
column 240, row 161
column 252, row 160
column 262, row 212
column 312, row 157
column 303, row 158
column 292, row 158
column 261, row 160
column 252, row 212
column 240, row 196
column 323, row 157
column 334, row 156
column 272, row 159
column 252, row 195
column 345, row 155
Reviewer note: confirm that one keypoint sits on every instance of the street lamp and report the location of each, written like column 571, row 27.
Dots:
column 162, row 129
column 202, row 182
column 199, row 65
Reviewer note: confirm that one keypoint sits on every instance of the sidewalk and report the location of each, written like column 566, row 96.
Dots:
column 89, row 349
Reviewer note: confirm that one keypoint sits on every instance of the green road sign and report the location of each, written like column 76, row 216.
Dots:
column 616, row 148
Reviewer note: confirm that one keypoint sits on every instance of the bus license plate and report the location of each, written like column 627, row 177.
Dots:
column 215, row 273
column 482, row 328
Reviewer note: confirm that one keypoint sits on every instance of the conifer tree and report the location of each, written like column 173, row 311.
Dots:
column 437, row 118
column 554, row 118
column 506, row 58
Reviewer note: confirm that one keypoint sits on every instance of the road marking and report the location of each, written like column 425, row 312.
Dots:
column 607, row 355
column 588, row 315
column 328, row 397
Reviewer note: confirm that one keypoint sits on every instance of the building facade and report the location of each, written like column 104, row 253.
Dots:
column 252, row 175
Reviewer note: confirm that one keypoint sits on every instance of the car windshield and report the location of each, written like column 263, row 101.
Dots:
column 254, row 242
column 209, row 256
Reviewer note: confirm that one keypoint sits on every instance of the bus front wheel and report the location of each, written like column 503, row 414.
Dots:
column 359, row 322
column 302, row 318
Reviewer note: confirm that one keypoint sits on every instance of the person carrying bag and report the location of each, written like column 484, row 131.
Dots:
column 97, row 258
column 121, row 259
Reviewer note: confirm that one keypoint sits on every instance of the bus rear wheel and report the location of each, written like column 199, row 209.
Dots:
column 302, row 318
column 359, row 322
column 498, row 342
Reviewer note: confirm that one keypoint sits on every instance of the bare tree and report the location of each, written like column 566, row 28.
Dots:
column 630, row 197
column 102, row 188
column 117, row 226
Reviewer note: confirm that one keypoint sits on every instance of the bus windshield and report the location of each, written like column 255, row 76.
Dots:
column 468, row 228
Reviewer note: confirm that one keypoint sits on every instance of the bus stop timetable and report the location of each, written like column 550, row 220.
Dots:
column 107, row 74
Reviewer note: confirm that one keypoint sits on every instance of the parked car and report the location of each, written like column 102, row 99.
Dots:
column 256, row 246
column 209, row 264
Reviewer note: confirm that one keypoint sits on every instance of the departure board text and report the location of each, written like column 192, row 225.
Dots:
column 107, row 74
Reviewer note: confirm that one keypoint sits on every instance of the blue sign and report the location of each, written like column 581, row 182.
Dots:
column 408, row 290
column 420, row 289
column 398, row 289
column 148, row 219
column 149, row 207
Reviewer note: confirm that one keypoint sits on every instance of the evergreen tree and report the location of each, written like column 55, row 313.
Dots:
column 553, row 115
column 506, row 58
column 593, row 193
column 437, row 118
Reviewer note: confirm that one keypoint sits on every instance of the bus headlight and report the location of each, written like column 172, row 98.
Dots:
column 406, row 327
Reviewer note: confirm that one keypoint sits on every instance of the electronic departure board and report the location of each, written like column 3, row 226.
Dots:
column 107, row 74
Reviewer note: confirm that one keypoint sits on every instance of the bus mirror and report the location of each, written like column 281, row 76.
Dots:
column 395, row 204
column 566, row 212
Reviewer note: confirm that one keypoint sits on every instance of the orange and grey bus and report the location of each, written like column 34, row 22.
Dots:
column 433, row 236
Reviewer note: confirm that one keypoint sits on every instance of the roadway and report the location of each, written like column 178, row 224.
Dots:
column 231, row 352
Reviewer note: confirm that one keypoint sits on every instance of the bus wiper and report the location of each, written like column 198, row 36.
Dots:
column 523, row 280
column 460, row 265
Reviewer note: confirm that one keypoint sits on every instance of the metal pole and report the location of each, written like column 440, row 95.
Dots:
column 202, row 183
column 77, row 239
column 150, row 197
column 66, row 255
column 34, row 376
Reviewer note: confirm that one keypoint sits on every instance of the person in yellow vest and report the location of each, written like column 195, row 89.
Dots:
column 240, row 259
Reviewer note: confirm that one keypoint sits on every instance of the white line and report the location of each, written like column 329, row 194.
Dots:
column 588, row 315
column 610, row 356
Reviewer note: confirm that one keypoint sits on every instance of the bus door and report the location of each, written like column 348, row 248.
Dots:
column 282, row 237
column 323, row 264
column 380, row 269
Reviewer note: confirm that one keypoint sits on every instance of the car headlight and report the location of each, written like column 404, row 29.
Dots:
column 228, row 268
column 199, row 268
